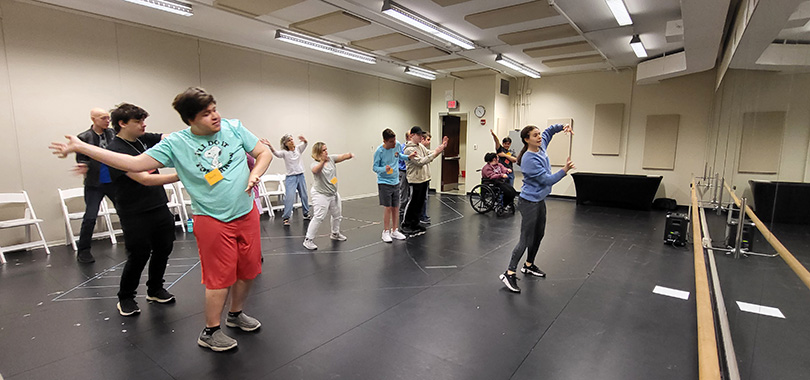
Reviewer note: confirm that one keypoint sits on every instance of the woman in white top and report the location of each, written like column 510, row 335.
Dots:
column 325, row 198
column 295, row 180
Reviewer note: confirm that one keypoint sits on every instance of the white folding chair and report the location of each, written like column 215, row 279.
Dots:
column 29, row 218
column 104, row 212
column 175, row 204
column 272, row 185
column 183, row 199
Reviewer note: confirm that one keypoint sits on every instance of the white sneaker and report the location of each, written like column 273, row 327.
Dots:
column 337, row 236
column 310, row 245
column 386, row 236
column 398, row 235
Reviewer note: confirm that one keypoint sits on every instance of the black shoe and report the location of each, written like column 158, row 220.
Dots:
column 161, row 296
column 532, row 270
column 407, row 230
column 420, row 229
column 128, row 307
column 510, row 280
column 85, row 257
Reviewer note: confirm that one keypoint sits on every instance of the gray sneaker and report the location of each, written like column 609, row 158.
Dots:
column 217, row 341
column 310, row 245
column 243, row 321
column 337, row 236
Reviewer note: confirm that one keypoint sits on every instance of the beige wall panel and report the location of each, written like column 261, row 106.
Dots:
column 60, row 66
column 155, row 67
column 607, row 129
column 744, row 91
column 691, row 97
column 661, row 142
column 761, row 144
column 576, row 96
column 9, row 150
column 558, row 149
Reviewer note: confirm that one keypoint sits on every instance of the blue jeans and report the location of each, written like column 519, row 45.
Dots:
column 510, row 179
column 293, row 183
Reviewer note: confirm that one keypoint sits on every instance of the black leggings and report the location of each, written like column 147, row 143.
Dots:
column 532, row 230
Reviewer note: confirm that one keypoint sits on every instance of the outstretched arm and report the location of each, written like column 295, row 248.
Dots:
column 124, row 162
column 147, row 179
column 344, row 157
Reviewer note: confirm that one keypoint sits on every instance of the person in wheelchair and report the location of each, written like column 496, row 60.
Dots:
column 495, row 174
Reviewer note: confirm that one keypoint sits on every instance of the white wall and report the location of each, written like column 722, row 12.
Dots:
column 62, row 64
column 576, row 96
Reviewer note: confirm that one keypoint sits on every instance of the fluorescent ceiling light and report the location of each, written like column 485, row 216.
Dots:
column 176, row 7
column 420, row 73
column 324, row 46
column 418, row 21
column 517, row 66
column 638, row 47
column 620, row 12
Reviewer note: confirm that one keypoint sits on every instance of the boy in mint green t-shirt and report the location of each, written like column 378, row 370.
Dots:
column 209, row 157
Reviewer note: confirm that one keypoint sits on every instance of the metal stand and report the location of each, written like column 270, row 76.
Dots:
column 737, row 250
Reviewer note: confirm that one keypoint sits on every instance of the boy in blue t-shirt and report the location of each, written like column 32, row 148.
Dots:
column 210, row 160
column 387, row 159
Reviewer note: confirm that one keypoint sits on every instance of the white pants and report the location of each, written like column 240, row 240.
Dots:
column 321, row 206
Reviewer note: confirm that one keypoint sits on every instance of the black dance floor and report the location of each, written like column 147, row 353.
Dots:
column 431, row 307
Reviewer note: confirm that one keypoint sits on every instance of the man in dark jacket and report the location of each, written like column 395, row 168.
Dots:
column 97, row 181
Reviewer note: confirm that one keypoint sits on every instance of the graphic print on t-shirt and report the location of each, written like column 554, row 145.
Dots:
column 212, row 154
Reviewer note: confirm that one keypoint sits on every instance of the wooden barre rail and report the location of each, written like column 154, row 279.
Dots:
column 708, row 359
column 783, row 252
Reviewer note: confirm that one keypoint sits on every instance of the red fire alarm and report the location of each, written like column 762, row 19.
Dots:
column 452, row 104
column 483, row 121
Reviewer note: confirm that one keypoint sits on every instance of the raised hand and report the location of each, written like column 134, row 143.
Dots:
column 569, row 165
column 266, row 142
column 568, row 129
column 61, row 149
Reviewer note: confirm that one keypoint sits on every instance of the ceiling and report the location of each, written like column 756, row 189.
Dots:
column 550, row 36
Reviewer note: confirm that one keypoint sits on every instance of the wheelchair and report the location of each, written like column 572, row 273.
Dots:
column 487, row 197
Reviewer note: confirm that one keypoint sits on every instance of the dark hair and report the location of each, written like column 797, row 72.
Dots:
column 388, row 134
column 191, row 102
column 507, row 140
column 489, row 157
column 524, row 134
column 126, row 112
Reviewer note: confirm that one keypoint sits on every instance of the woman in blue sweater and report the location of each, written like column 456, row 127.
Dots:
column 537, row 181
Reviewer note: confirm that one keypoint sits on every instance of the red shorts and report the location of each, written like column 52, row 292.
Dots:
column 228, row 251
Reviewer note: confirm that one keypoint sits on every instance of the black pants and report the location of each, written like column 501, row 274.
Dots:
column 414, row 208
column 92, row 200
column 507, row 190
column 532, row 230
column 150, row 233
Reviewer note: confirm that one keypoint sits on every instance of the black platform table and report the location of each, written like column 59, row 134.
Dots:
column 617, row 190
column 781, row 202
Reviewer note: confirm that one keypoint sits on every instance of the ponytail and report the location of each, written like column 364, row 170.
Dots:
column 524, row 134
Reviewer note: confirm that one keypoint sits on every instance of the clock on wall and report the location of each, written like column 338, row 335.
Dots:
column 480, row 111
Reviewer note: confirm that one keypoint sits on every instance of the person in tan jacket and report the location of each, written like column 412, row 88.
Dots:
column 418, row 174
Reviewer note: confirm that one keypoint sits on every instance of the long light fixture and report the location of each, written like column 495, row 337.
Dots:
column 638, row 47
column 418, row 21
column 324, row 46
column 517, row 66
column 620, row 12
column 417, row 72
column 176, row 7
